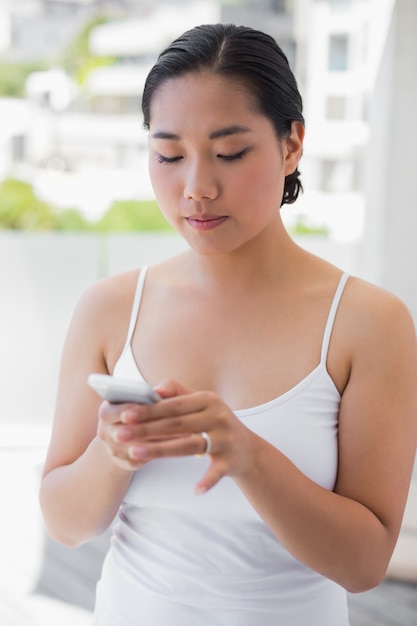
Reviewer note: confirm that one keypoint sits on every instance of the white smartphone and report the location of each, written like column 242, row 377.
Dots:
column 119, row 390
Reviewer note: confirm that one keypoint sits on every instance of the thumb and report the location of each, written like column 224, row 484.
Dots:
column 169, row 388
column 210, row 478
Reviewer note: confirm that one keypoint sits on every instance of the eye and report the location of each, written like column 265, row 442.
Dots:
column 163, row 159
column 235, row 156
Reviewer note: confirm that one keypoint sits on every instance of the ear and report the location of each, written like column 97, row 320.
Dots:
column 293, row 147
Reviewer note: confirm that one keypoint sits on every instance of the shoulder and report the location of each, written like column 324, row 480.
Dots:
column 378, row 331
column 101, row 316
column 109, row 294
column 373, row 334
column 370, row 310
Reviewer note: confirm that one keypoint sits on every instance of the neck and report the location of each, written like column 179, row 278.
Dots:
column 255, row 264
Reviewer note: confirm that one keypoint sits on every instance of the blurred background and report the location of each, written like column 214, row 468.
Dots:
column 76, row 203
column 71, row 78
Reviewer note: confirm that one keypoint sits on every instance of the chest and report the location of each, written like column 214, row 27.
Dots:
column 249, row 352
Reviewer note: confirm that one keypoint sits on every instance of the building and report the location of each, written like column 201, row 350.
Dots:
column 339, row 48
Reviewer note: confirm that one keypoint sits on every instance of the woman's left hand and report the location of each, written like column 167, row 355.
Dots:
column 173, row 427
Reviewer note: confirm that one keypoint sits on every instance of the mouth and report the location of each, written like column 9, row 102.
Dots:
column 206, row 222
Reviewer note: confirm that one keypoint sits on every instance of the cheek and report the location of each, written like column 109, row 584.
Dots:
column 167, row 193
column 155, row 175
column 265, row 183
column 162, row 182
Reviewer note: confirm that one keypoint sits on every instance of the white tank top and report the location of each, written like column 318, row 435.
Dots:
column 178, row 559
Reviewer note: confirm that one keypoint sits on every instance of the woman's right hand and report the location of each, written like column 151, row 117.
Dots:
column 116, row 429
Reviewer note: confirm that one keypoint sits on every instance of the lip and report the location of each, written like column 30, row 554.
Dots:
column 206, row 222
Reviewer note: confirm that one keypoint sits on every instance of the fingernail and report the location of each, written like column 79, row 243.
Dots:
column 127, row 417
column 200, row 489
column 137, row 452
column 123, row 433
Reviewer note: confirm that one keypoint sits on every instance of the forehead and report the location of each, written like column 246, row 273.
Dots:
column 203, row 96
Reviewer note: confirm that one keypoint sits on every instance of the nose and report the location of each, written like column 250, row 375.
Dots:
column 200, row 184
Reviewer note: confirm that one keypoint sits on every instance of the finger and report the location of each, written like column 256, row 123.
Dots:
column 114, row 432
column 112, row 413
column 174, row 408
column 122, row 434
column 131, row 414
column 207, row 442
column 173, row 446
column 119, row 454
column 171, row 425
column 215, row 472
column 169, row 388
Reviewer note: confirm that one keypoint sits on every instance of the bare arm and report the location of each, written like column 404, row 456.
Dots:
column 82, row 485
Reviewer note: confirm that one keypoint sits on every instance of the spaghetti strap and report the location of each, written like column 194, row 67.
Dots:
column 332, row 314
column 136, row 304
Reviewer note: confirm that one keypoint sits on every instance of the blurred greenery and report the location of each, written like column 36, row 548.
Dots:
column 127, row 215
column 21, row 209
column 13, row 78
column 71, row 220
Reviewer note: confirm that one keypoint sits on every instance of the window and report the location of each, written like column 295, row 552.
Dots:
column 338, row 53
column 18, row 147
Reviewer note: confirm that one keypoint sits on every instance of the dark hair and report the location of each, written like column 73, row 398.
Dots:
column 242, row 53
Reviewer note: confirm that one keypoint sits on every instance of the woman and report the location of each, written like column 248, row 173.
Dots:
column 273, row 473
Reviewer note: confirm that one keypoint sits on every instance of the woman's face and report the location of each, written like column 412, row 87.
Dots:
column 216, row 164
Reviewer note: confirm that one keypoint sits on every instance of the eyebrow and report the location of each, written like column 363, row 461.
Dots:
column 216, row 134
